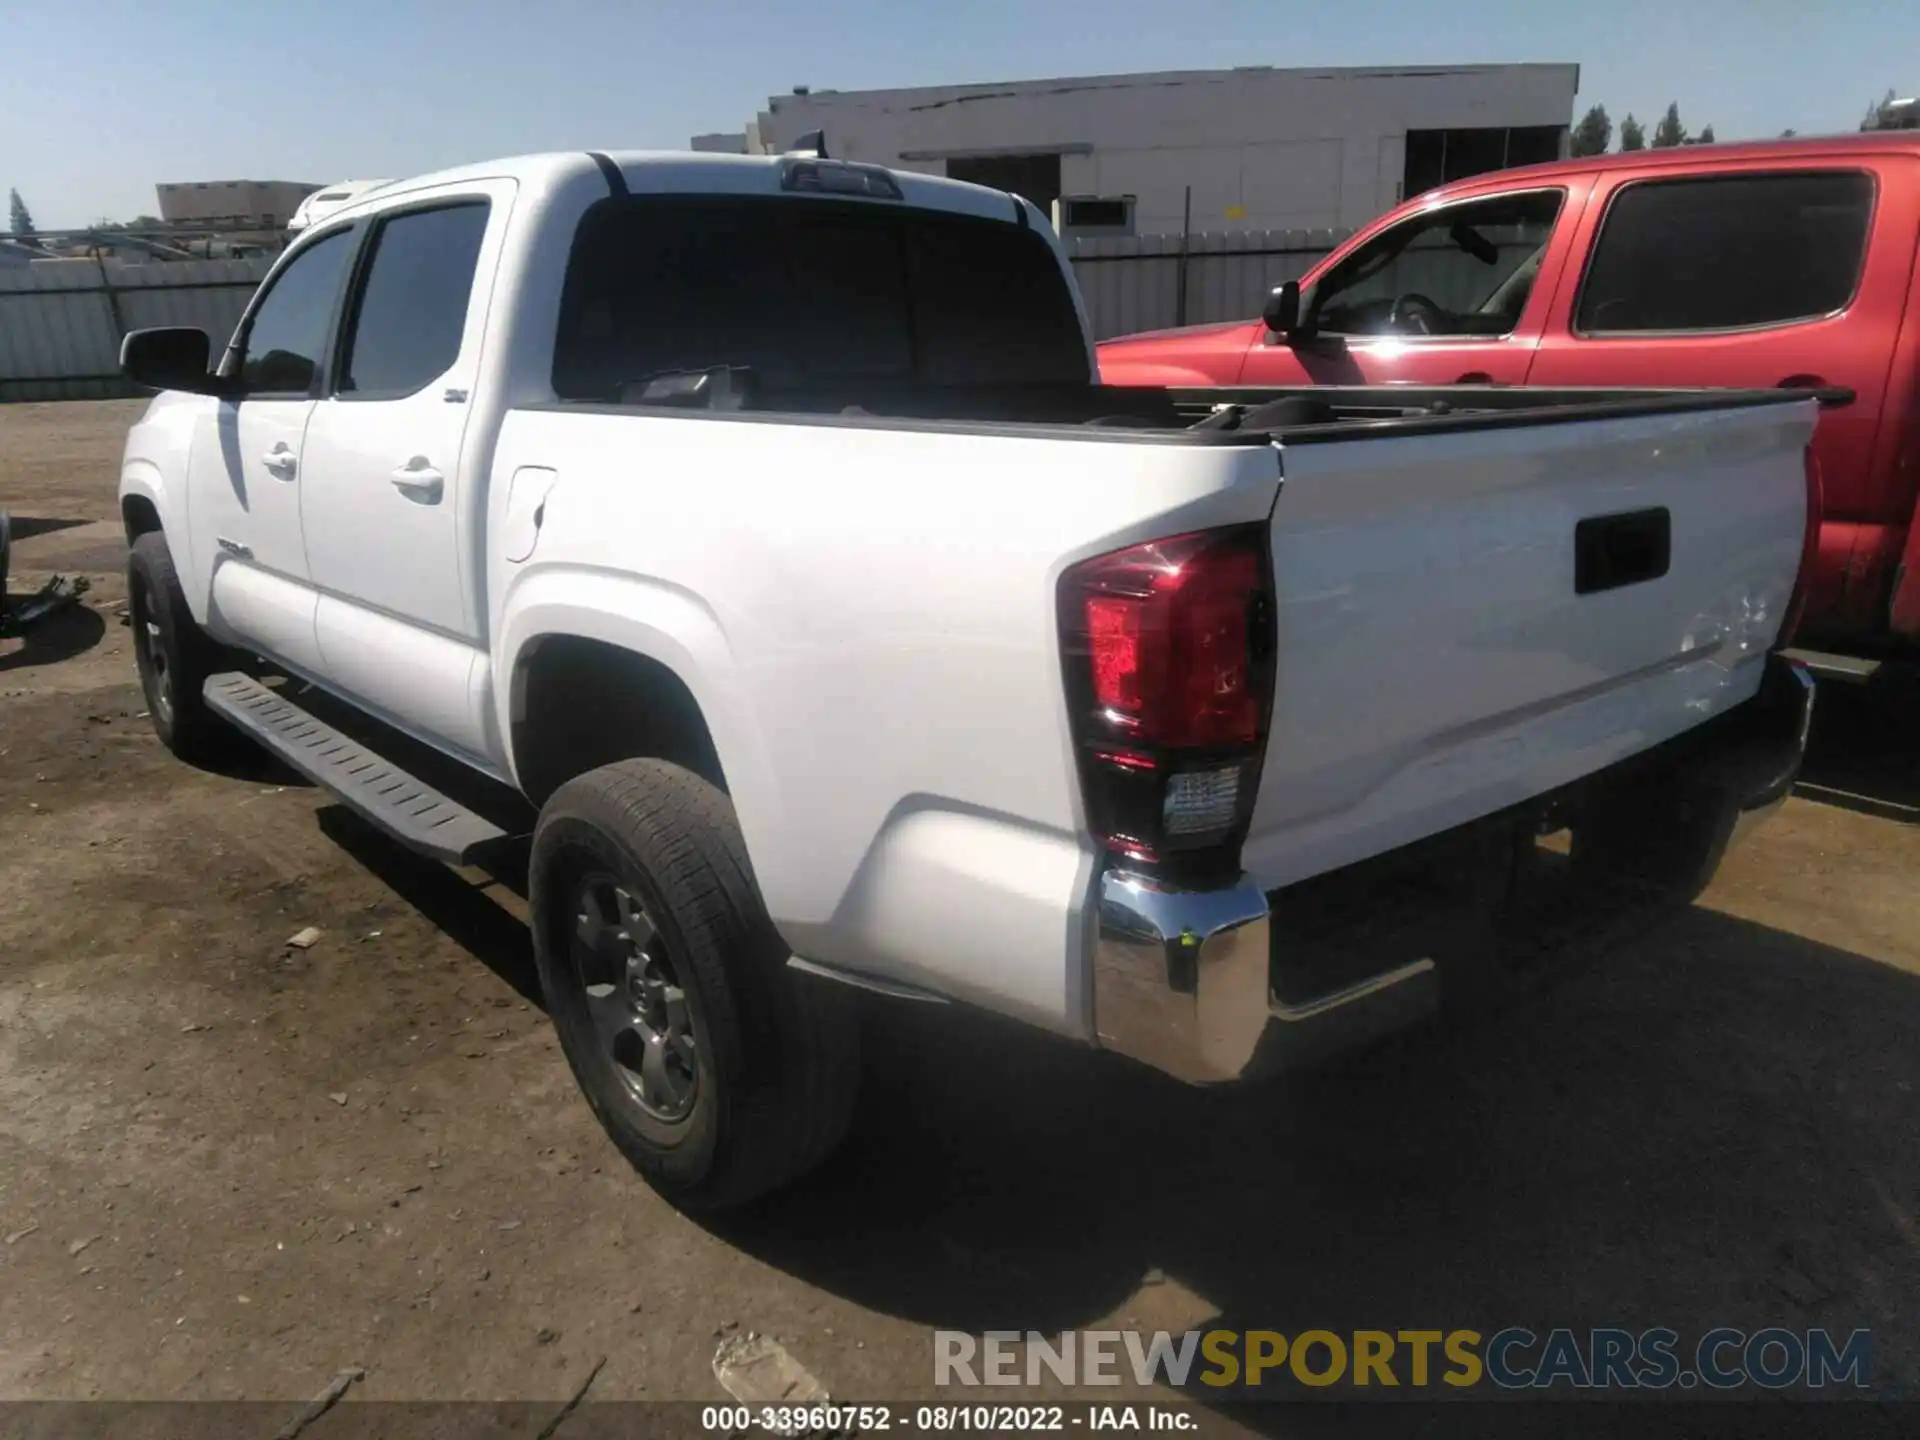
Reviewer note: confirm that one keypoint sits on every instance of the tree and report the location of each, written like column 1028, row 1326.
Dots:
column 1786, row 134
column 21, row 219
column 1632, row 135
column 1705, row 137
column 1669, row 132
column 1878, row 113
column 1593, row 134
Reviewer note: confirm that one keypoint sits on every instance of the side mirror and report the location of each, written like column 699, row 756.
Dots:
column 175, row 357
column 1282, row 310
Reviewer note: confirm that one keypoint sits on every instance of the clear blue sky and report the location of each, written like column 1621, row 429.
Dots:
column 99, row 99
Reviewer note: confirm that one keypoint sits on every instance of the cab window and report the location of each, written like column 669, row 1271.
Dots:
column 1726, row 253
column 1459, row 270
column 284, row 337
column 412, row 309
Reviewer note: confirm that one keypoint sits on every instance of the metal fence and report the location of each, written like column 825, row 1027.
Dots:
column 1149, row 282
column 61, row 323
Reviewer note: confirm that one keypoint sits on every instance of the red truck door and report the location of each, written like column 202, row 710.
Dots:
column 1758, row 273
column 1454, row 294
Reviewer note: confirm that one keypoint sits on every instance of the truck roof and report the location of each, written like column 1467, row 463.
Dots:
column 693, row 172
column 1688, row 157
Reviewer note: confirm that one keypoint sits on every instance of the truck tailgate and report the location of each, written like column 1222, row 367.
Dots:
column 1471, row 617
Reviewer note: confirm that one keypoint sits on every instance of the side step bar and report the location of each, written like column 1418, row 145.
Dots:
column 376, row 789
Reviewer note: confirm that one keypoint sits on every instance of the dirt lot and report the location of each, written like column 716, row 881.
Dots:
column 229, row 1168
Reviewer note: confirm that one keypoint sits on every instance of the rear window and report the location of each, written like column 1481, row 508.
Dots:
column 809, row 291
column 1727, row 253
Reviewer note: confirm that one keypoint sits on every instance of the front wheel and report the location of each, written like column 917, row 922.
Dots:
column 720, row 1072
column 173, row 655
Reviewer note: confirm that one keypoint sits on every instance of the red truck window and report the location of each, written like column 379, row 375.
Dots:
column 1726, row 253
column 1462, row 269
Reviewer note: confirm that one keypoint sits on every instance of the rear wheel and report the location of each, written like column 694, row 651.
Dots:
column 173, row 655
column 720, row 1072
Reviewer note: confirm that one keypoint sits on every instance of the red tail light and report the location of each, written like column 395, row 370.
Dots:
column 1169, row 659
column 1809, row 555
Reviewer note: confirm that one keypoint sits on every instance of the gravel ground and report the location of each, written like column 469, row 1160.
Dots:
column 229, row 1168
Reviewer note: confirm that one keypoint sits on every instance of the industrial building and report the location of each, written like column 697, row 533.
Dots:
column 263, row 205
column 1255, row 148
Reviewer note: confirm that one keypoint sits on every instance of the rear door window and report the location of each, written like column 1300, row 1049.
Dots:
column 809, row 291
column 412, row 309
column 1726, row 253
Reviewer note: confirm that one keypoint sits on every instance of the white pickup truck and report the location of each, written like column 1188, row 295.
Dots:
column 762, row 522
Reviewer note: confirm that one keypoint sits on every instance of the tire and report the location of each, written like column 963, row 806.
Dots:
column 174, row 656
column 719, row 1072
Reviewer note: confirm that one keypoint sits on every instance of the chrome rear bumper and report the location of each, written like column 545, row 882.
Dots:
column 1181, row 982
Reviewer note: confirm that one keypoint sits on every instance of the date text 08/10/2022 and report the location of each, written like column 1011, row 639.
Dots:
column 938, row 1419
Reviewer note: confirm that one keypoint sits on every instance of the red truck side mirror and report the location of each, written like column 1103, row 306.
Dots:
column 1282, row 310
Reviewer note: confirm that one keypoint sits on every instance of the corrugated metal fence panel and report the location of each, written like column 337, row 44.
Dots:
column 211, row 295
column 58, row 334
column 50, row 334
column 1133, row 283
column 61, row 324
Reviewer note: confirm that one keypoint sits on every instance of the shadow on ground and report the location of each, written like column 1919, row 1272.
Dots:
column 1658, row 1144
column 67, row 632
column 1865, row 751
column 464, row 905
column 1699, row 1127
column 25, row 527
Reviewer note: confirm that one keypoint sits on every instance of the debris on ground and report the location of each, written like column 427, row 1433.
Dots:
column 55, row 595
column 545, row 1335
column 77, row 1246
column 758, row 1370
column 19, row 616
column 573, row 1401
column 321, row 1403
column 305, row 939
column 1797, row 1287
column 18, row 1235
column 338, row 1097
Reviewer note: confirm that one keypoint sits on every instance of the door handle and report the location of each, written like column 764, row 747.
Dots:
column 418, row 480
column 280, row 461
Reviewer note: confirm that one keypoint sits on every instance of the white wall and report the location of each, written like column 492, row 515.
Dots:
column 1262, row 148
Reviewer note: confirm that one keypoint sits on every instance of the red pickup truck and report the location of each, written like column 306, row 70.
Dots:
column 1788, row 263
